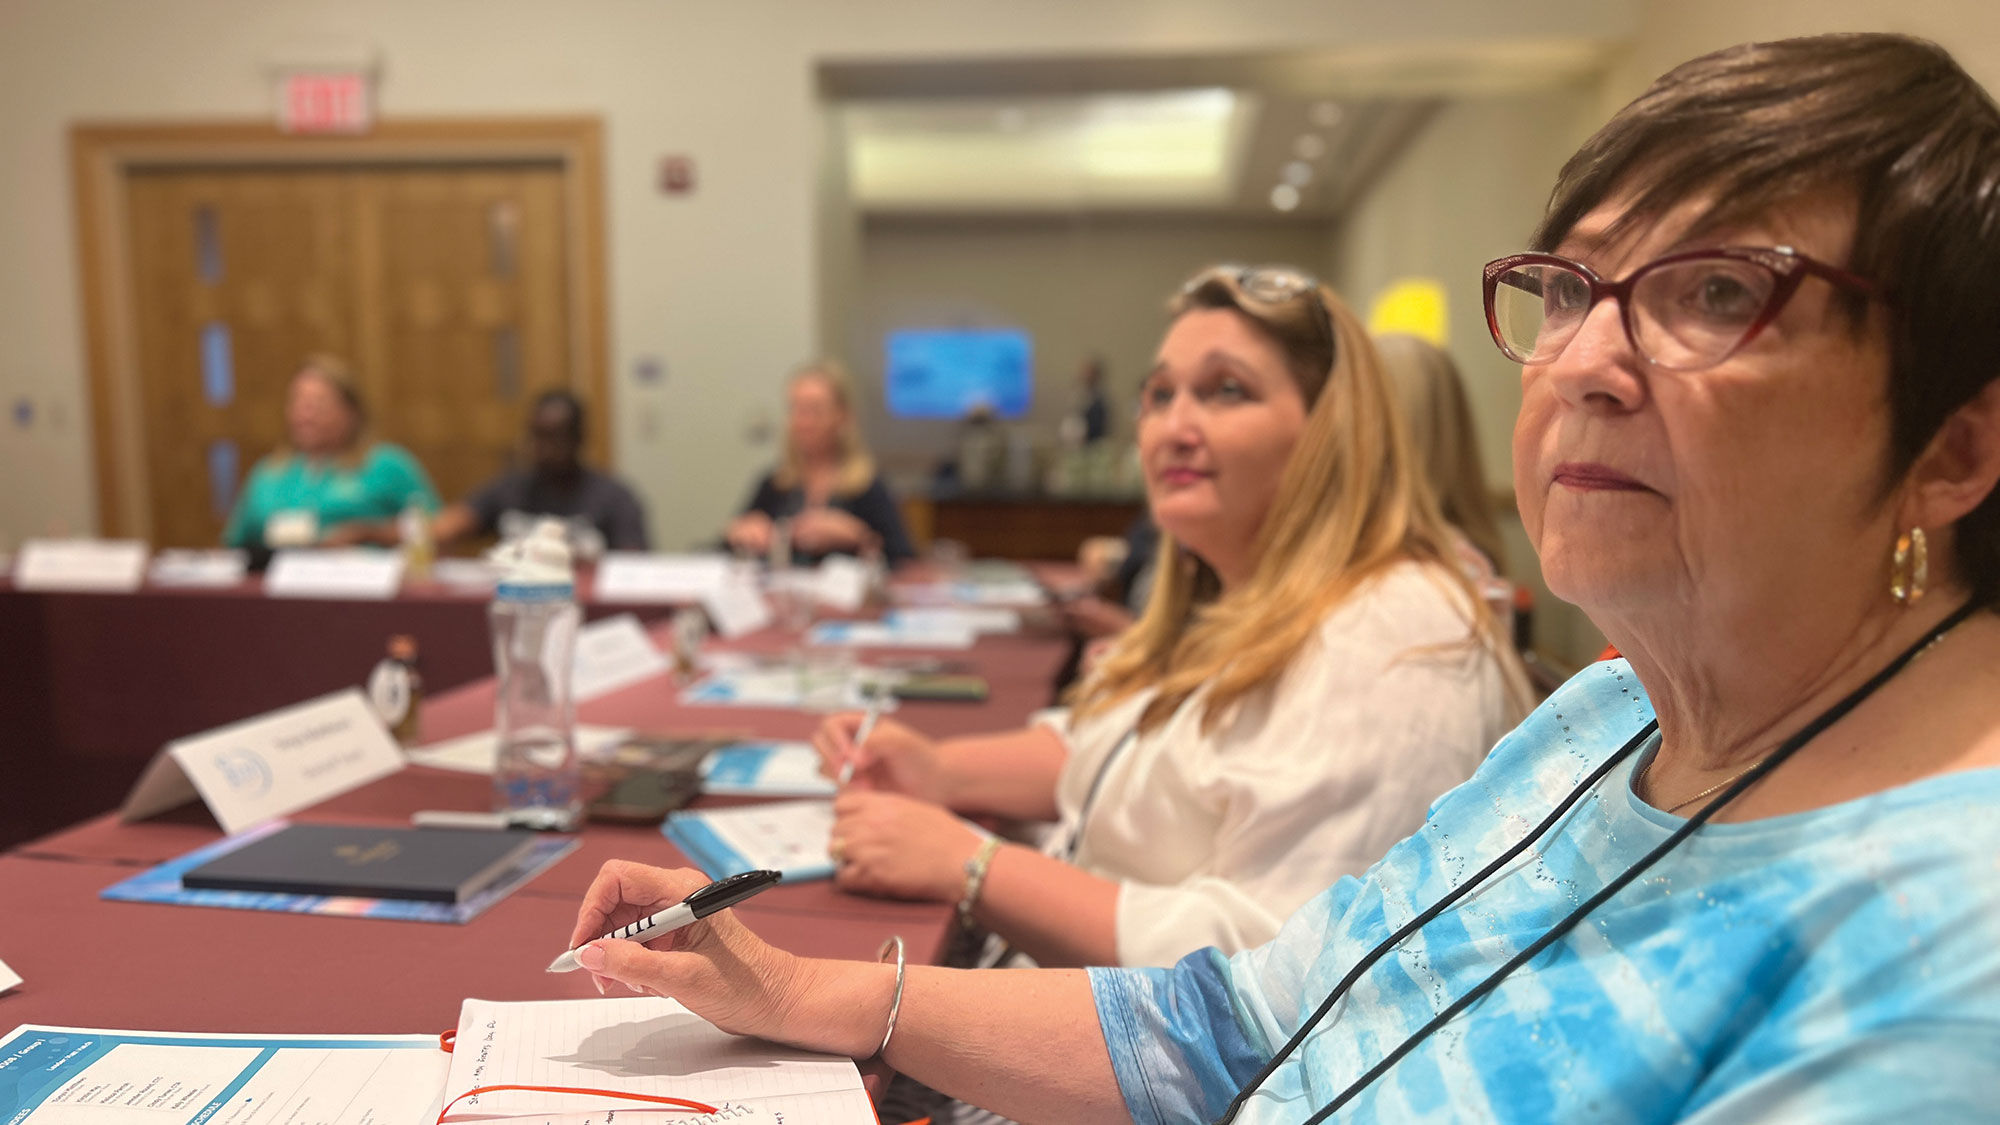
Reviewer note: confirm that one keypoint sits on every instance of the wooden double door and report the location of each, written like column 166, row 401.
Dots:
column 446, row 288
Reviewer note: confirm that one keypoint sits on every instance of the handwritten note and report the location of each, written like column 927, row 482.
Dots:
column 642, row 1045
column 252, row 771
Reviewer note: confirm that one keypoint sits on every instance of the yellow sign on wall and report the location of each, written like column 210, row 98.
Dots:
column 1414, row 306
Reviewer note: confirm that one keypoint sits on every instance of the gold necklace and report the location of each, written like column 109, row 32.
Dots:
column 1646, row 779
column 1646, row 771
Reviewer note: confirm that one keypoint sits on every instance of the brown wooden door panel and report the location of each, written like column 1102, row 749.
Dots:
column 446, row 287
column 467, row 281
column 254, row 258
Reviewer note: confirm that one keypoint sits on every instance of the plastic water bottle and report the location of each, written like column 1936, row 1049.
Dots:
column 537, row 779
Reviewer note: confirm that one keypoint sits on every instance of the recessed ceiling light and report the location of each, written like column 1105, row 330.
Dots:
column 1285, row 197
column 1309, row 146
column 1298, row 173
column 1325, row 115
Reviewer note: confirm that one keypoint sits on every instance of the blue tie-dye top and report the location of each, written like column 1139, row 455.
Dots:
column 1840, row 965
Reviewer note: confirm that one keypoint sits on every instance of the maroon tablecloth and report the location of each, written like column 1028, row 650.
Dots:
column 90, row 962
column 91, row 685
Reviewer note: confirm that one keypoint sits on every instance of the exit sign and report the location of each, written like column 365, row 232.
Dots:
column 326, row 102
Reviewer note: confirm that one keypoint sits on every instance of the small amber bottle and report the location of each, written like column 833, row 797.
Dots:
column 396, row 689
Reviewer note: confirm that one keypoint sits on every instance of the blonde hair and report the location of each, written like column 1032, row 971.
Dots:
column 1351, row 503
column 333, row 371
column 1431, row 394
column 857, row 466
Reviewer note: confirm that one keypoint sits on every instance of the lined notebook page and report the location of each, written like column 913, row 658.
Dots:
column 643, row 1045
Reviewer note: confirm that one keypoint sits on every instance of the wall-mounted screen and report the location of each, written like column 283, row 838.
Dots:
column 947, row 372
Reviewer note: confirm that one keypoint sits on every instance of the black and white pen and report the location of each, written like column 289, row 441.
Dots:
column 719, row 895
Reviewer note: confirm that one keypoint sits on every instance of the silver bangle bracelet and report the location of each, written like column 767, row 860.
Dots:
column 895, row 1002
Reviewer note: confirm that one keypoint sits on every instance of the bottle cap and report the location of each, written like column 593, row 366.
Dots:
column 537, row 568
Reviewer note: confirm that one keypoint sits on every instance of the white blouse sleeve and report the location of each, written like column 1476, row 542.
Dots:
column 1391, row 706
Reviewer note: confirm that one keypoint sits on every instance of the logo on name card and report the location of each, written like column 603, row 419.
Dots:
column 244, row 771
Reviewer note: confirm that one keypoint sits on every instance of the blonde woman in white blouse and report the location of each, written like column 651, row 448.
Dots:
column 1310, row 673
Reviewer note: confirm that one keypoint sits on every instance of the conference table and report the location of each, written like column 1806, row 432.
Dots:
column 90, row 962
column 93, row 684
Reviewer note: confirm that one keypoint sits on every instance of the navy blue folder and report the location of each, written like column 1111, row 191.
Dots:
column 429, row 864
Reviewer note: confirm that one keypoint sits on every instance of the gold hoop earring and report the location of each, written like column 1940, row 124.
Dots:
column 1909, row 567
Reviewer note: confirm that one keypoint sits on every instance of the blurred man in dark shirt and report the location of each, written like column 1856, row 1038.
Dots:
column 602, row 513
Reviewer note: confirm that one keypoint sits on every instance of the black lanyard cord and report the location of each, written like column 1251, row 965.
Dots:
column 1424, row 919
column 1833, row 714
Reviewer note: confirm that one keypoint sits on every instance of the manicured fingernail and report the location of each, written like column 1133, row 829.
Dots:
column 590, row 956
column 635, row 988
column 599, row 982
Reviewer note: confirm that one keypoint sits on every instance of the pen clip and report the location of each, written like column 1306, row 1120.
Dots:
column 724, row 893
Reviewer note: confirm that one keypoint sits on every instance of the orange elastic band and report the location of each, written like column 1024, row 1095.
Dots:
column 681, row 1103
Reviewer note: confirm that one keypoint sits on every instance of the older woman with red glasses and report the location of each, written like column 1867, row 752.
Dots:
column 1746, row 873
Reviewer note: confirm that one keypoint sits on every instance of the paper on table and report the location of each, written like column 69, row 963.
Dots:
column 644, row 1045
column 475, row 753
column 787, row 836
column 765, row 769
column 8, row 977
column 775, row 687
column 969, row 619
column 886, row 634
column 87, row 1076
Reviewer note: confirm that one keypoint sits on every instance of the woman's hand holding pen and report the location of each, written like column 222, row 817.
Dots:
column 895, row 759
column 716, row 966
column 890, row 845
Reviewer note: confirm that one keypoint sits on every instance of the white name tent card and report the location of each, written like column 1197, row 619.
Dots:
column 198, row 568
column 8, row 977
column 635, row 576
column 614, row 653
column 97, row 565
column 353, row 573
column 466, row 574
column 843, row 583
column 737, row 607
column 261, row 768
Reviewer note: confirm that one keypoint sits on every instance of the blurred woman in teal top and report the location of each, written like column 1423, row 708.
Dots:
column 331, row 485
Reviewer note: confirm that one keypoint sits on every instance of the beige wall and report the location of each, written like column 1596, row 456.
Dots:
column 1081, row 286
column 721, row 287
column 1466, row 191
column 1673, row 31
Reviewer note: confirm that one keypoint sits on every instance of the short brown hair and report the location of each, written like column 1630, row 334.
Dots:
column 1892, row 121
